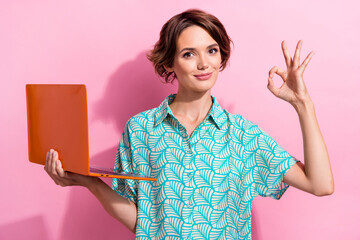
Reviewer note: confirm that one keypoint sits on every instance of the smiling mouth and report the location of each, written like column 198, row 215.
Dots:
column 204, row 76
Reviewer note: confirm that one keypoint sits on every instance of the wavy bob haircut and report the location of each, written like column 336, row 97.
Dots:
column 164, row 50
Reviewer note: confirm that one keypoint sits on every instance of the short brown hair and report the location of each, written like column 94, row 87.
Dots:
column 163, row 53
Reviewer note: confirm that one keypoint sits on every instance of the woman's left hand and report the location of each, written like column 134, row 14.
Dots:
column 293, row 90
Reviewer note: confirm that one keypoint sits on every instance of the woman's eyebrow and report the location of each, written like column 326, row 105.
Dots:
column 186, row 49
column 192, row 49
column 213, row 45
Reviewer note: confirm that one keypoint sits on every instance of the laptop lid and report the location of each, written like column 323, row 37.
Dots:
column 46, row 104
column 58, row 119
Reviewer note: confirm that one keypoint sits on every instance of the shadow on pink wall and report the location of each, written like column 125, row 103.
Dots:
column 131, row 89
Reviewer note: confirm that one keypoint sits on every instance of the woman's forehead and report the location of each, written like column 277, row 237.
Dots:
column 194, row 37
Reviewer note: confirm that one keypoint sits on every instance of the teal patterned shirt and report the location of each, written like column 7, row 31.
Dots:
column 206, row 182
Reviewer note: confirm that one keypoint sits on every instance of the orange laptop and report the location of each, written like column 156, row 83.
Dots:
column 57, row 118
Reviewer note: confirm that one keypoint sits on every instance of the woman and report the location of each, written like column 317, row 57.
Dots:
column 210, row 164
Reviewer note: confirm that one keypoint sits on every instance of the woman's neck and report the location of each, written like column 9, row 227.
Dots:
column 192, row 106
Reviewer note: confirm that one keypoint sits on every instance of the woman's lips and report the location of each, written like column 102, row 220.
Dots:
column 204, row 76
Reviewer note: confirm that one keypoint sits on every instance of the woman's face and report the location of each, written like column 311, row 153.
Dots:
column 197, row 60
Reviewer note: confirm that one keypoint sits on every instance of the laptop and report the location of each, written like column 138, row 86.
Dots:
column 57, row 118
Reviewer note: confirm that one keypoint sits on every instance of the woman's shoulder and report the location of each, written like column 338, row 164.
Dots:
column 222, row 115
column 240, row 122
column 243, row 125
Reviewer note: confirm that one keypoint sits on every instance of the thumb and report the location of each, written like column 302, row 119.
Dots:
column 271, row 86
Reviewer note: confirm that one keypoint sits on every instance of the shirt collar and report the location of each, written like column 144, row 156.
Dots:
column 163, row 110
column 217, row 114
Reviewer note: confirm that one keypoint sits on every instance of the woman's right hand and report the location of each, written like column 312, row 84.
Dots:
column 63, row 178
column 117, row 206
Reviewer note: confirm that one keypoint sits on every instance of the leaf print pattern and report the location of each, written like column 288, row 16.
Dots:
column 206, row 182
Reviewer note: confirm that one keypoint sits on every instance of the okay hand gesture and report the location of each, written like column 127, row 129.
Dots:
column 293, row 89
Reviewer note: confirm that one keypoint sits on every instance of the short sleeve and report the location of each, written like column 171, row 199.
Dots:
column 124, row 163
column 272, row 163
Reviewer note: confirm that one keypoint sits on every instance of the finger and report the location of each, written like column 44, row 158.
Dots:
column 306, row 61
column 47, row 161
column 53, row 163
column 49, row 167
column 287, row 57
column 59, row 169
column 271, row 86
column 278, row 71
column 296, row 60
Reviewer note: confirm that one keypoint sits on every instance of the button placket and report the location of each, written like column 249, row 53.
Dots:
column 189, row 150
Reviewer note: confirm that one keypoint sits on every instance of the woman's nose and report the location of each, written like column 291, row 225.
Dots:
column 203, row 63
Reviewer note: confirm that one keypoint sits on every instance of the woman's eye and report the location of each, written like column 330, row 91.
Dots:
column 213, row 50
column 188, row 54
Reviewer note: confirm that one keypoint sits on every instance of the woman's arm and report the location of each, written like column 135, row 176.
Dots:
column 315, row 175
column 117, row 206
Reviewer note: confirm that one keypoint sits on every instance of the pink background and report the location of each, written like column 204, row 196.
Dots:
column 103, row 44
